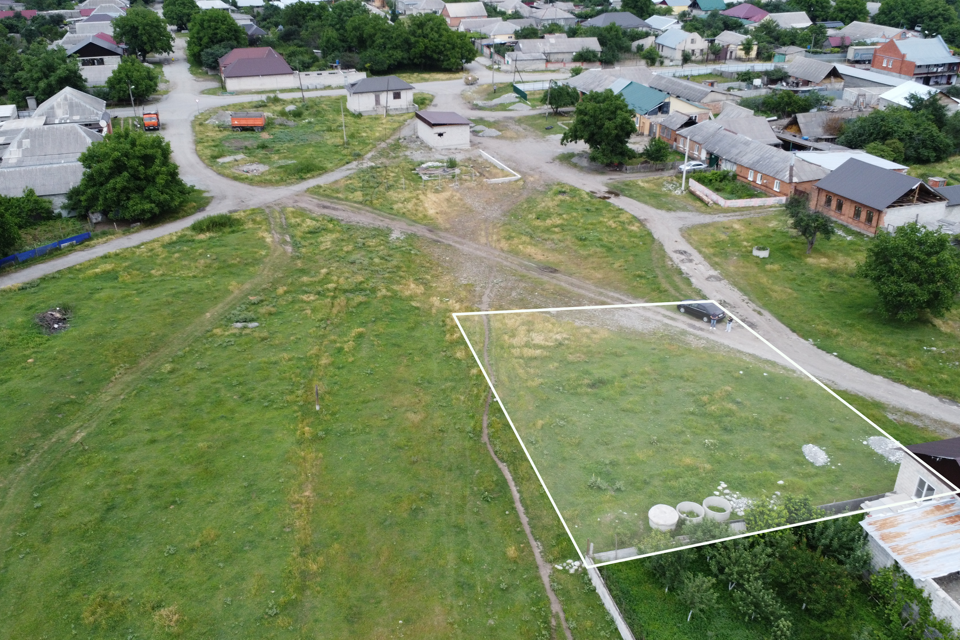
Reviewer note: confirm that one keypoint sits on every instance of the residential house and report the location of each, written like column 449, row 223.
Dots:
column 417, row 7
column 660, row 24
column 700, row 7
column 671, row 44
column 788, row 54
column 831, row 160
column 776, row 172
column 94, row 24
column 45, row 159
column 750, row 126
column 644, row 102
column 819, row 126
column 732, row 46
column 867, row 198
column 98, row 59
column 874, row 33
column 694, row 92
column 746, row 12
column 71, row 106
column 499, row 32
column 790, row 20
column 93, row 4
column 383, row 94
column 28, row 14
column 810, row 72
column 730, row 110
column 550, row 51
column 858, row 77
column 622, row 19
column 443, row 129
column 454, row 12
column 253, row 4
column 951, row 223
column 928, row 61
column 899, row 96
column 553, row 15
column 473, row 25
column 256, row 69
column 838, row 42
column 601, row 79
column 205, row 5
column 254, row 33
column 677, row 6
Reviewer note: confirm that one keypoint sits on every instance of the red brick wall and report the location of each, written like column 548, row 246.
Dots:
column 766, row 183
column 846, row 215
column 889, row 52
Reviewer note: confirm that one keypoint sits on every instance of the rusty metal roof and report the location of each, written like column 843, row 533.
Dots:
column 925, row 541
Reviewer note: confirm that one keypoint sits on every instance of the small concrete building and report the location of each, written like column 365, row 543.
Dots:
column 443, row 129
column 378, row 95
column 867, row 198
column 98, row 59
column 256, row 69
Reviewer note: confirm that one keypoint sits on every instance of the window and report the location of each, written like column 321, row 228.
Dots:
column 759, row 178
column 440, row 135
column 750, row 175
column 828, row 201
column 869, row 216
column 924, row 489
column 856, row 213
column 396, row 95
column 776, row 185
column 839, row 205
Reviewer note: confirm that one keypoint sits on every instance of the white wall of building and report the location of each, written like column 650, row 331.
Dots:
column 374, row 102
column 910, row 473
column 447, row 137
column 262, row 83
column 93, row 28
column 334, row 78
column 928, row 215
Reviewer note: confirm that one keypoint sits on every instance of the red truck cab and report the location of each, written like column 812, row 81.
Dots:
column 151, row 121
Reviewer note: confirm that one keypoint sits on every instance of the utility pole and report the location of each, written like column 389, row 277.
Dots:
column 344, row 123
column 130, row 88
column 546, row 114
column 300, row 80
column 686, row 156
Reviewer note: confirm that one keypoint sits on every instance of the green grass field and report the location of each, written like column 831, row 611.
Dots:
column 311, row 148
column 164, row 473
column 618, row 421
column 820, row 297
column 658, row 193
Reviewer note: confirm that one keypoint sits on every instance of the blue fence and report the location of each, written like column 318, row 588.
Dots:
column 44, row 250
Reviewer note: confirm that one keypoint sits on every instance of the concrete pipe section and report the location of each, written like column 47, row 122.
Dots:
column 663, row 517
column 685, row 508
column 717, row 503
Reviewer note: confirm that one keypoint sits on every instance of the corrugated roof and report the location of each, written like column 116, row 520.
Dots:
column 831, row 160
column 99, row 17
column 952, row 194
column 70, row 105
column 641, row 98
column 709, row 5
column 925, row 540
column 475, row 24
column 97, row 42
column 926, row 51
column 554, row 44
column 378, row 84
column 54, row 144
column 730, row 37
column 809, row 69
column 442, row 118
column 731, row 110
column 619, row 18
column 949, row 448
column 814, row 125
column 791, row 20
column 867, row 184
column 675, row 120
column 246, row 52
column 253, row 31
column 898, row 95
column 680, row 88
column 753, row 127
column 873, row 77
column 746, row 11
column 662, row 23
column 465, row 9
column 252, row 67
column 45, row 180
column 673, row 37
column 867, row 31
column 212, row 4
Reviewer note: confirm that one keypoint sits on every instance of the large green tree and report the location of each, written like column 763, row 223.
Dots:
column 560, row 96
column 914, row 269
column 26, row 210
column 9, row 234
column 640, row 8
column 43, row 72
column 434, row 45
column 129, row 176
column 809, row 224
column 143, row 31
column 133, row 76
column 179, row 13
column 923, row 142
column 932, row 16
column 847, row 11
column 605, row 122
column 209, row 29
column 816, row 10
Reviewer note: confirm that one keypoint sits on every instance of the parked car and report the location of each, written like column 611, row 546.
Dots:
column 702, row 310
column 691, row 166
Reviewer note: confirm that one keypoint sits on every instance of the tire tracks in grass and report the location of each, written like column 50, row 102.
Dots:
column 56, row 446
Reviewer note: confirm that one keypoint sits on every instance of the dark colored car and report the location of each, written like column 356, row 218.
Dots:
column 702, row 310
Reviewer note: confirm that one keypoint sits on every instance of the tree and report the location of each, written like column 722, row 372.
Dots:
column 739, row 561
column 605, row 122
column 914, row 269
column 44, row 72
column 433, row 45
column 640, row 8
column 179, row 13
column 651, row 56
column 586, row 55
column 132, row 76
column 807, row 223
column 559, row 96
column 210, row 58
column 923, row 142
column 657, row 150
column 129, row 176
column 816, row 10
column 685, row 57
column 714, row 50
column 847, row 11
column 26, row 210
column 697, row 593
column 9, row 234
column 209, row 29
column 143, row 31
column 932, row 16
column 747, row 46
column 885, row 150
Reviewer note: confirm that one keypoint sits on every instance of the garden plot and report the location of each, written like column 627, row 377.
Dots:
column 621, row 409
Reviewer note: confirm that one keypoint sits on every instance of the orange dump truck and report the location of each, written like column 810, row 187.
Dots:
column 248, row 120
column 151, row 121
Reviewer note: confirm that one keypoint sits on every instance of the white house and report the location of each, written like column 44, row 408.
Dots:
column 381, row 94
column 443, row 129
column 456, row 11
column 672, row 43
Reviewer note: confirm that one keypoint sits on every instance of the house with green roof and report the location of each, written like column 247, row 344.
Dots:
column 645, row 101
column 699, row 7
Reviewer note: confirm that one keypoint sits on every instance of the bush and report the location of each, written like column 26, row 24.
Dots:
column 215, row 223
column 574, row 72
column 657, row 151
column 726, row 185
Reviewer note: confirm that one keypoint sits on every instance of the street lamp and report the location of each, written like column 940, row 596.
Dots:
column 130, row 88
column 198, row 106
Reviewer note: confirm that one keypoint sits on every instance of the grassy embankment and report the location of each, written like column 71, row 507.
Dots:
column 820, row 297
column 166, row 473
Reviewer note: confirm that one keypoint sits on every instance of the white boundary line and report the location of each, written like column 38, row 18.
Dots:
column 483, row 370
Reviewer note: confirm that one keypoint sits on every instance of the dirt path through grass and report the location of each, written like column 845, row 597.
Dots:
column 47, row 453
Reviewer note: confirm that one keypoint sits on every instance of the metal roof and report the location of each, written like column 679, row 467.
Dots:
column 442, row 118
column 832, row 160
column 867, row 184
column 791, row 20
column 72, row 106
column 253, row 31
column 475, row 24
column 662, row 23
column 680, row 88
column 675, row 120
column 254, row 67
column 746, row 11
column 867, row 31
column 753, row 127
column 673, row 37
column 54, row 144
column 641, row 98
column 731, row 110
column 99, row 17
column 809, row 69
column 619, row 18
column 925, row 541
column 949, row 448
column 926, row 51
column 881, row 79
column 730, row 37
column 554, row 44
column 814, row 125
column 97, row 42
column 378, row 84
column 952, row 194
column 900, row 93
column 465, row 9
column 710, row 5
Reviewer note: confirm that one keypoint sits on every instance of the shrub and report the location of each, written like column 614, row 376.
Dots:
column 215, row 223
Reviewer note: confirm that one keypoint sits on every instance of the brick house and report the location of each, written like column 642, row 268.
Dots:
column 457, row 11
column 928, row 61
column 866, row 197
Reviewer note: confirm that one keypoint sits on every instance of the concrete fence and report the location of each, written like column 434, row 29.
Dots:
column 710, row 197
column 500, row 165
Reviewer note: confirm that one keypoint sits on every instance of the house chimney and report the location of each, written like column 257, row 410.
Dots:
column 790, row 175
column 31, row 103
column 936, row 183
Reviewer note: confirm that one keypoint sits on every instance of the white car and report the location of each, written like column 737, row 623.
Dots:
column 692, row 166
